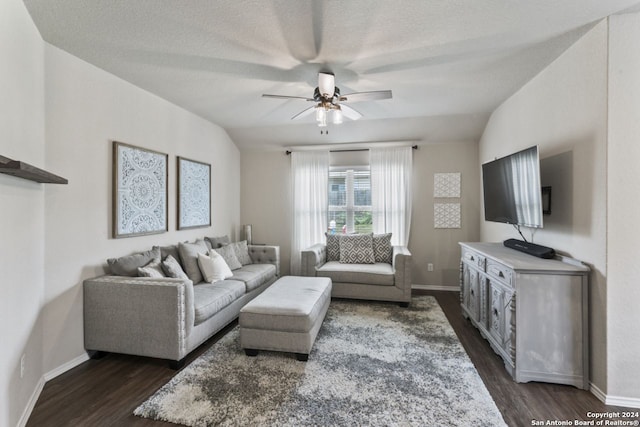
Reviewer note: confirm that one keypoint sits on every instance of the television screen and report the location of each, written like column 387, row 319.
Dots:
column 512, row 190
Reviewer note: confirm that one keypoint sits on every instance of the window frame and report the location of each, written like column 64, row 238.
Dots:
column 350, row 208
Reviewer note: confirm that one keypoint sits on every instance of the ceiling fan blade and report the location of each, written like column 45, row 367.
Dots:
column 366, row 96
column 349, row 112
column 265, row 95
column 304, row 113
column 326, row 84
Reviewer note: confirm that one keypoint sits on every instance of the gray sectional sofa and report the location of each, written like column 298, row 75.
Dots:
column 385, row 277
column 168, row 317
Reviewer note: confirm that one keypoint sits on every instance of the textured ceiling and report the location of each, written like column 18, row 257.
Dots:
column 449, row 63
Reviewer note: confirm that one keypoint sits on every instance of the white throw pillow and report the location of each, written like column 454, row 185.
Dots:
column 213, row 267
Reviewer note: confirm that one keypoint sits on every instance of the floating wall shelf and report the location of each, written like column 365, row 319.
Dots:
column 26, row 171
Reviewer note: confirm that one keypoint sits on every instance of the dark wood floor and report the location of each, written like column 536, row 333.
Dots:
column 105, row 392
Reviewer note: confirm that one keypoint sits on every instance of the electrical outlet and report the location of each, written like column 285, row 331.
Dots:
column 429, row 267
column 22, row 362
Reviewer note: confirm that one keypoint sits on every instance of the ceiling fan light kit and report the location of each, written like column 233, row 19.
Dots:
column 324, row 110
column 330, row 104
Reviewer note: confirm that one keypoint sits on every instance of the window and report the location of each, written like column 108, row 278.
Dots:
column 350, row 201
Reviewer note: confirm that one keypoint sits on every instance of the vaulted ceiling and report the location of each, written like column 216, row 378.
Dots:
column 449, row 63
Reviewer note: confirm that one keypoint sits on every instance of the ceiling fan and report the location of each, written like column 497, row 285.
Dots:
column 329, row 102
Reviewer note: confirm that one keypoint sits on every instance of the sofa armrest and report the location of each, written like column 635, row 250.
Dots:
column 402, row 269
column 312, row 258
column 264, row 254
column 138, row 315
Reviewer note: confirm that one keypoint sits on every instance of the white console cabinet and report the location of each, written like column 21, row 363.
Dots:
column 533, row 311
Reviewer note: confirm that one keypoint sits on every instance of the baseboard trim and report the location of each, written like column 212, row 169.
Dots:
column 66, row 367
column 43, row 380
column 32, row 403
column 625, row 402
column 595, row 390
column 436, row 288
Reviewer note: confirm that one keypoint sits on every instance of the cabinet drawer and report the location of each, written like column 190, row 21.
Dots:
column 474, row 258
column 500, row 272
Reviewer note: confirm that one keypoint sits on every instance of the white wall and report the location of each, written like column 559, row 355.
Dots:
column 266, row 200
column 87, row 108
column 61, row 114
column 564, row 111
column 623, row 268
column 440, row 246
column 21, row 209
column 266, row 205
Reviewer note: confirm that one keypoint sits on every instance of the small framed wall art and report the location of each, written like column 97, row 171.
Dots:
column 139, row 191
column 194, row 194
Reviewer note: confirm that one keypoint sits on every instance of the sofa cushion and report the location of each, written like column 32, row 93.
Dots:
column 213, row 267
column 382, row 249
column 372, row 274
column 172, row 268
column 254, row 275
column 189, row 256
column 210, row 298
column 217, row 242
column 229, row 255
column 333, row 247
column 128, row 265
column 242, row 252
column 356, row 249
column 153, row 269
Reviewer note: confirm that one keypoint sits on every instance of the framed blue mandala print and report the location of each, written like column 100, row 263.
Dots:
column 139, row 191
column 194, row 194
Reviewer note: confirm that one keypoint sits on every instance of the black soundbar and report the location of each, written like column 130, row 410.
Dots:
column 530, row 248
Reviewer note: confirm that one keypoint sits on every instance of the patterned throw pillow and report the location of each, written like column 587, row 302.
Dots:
column 242, row 252
column 356, row 249
column 172, row 268
column 229, row 256
column 382, row 249
column 153, row 269
column 333, row 247
column 217, row 242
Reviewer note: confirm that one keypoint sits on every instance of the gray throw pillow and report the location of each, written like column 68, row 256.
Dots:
column 189, row 256
column 218, row 242
column 382, row 249
column 229, row 256
column 356, row 249
column 128, row 265
column 172, row 268
column 172, row 250
column 242, row 252
column 153, row 269
column 333, row 247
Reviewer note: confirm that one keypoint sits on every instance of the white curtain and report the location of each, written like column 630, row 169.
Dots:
column 391, row 192
column 309, row 181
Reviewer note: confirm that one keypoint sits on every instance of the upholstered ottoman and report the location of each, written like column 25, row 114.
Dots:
column 286, row 316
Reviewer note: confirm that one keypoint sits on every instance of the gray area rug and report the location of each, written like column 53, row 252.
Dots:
column 372, row 364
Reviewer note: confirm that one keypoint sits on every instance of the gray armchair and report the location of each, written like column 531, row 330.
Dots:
column 379, row 281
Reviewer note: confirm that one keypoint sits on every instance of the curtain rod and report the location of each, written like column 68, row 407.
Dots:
column 288, row 152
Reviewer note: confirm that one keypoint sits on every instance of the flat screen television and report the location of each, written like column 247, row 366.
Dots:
column 512, row 190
